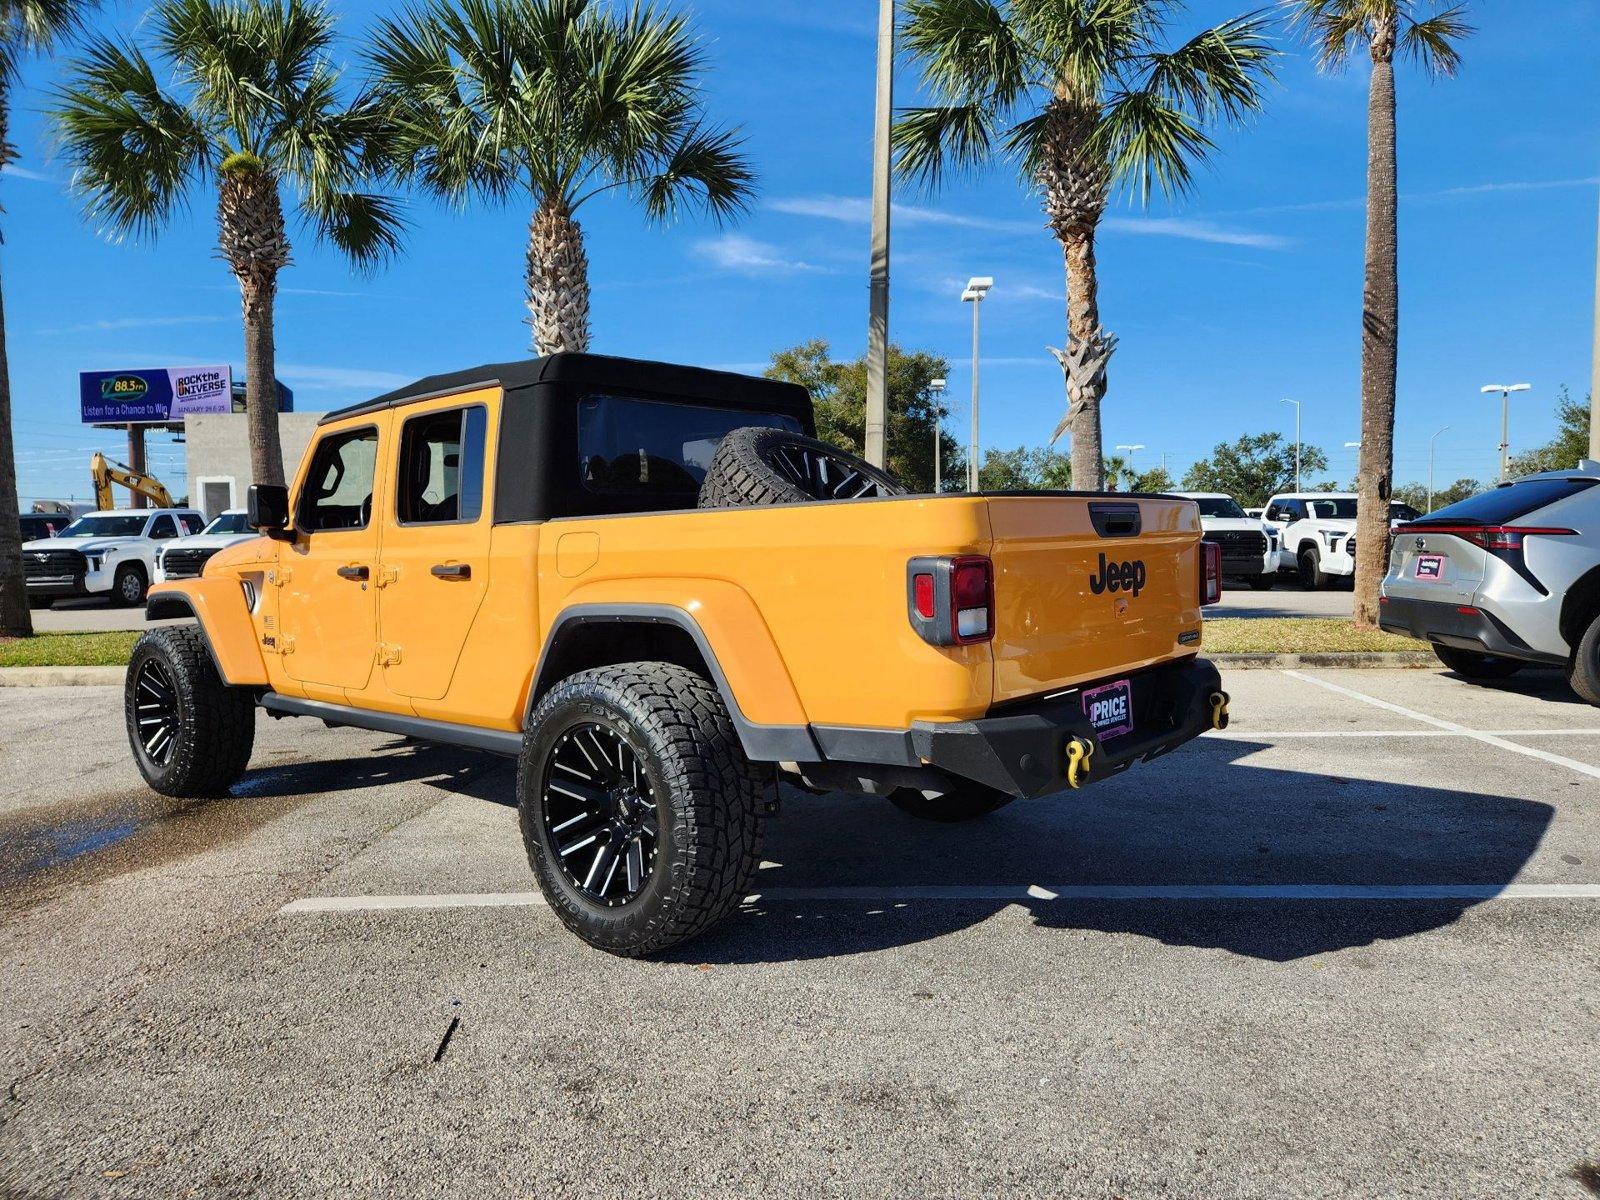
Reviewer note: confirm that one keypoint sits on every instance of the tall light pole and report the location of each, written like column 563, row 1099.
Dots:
column 1130, row 449
column 1594, row 378
column 1432, row 442
column 937, row 386
column 1296, row 404
column 977, row 288
column 1505, row 390
column 878, row 317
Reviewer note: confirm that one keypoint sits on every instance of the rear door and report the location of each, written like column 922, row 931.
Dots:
column 436, row 547
column 1089, row 588
column 328, row 604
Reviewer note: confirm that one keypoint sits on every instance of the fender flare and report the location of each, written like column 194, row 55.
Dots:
column 217, row 606
column 761, row 742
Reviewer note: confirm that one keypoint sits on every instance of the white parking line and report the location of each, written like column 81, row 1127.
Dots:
column 1016, row 893
column 1451, row 727
column 1241, row 735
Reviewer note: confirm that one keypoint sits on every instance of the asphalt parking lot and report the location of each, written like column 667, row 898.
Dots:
column 1349, row 948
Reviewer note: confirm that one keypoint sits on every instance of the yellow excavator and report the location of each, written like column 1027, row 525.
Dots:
column 105, row 473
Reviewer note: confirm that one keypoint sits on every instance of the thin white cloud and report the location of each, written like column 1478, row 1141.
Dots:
column 736, row 252
column 1353, row 203
column 857, row 210
column 137, row 323
column 328, row 379
column 12, row 171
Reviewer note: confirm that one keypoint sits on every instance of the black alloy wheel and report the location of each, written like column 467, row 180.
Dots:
column 155, row 711
column 600, row 814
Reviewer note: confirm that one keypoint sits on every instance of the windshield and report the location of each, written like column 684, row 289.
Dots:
column 229, row 523
column 1342, row 509
column 110, row 525
column 1219, row 506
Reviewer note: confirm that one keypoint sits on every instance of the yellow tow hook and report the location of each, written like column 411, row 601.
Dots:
column 1219, row 710
column 1080, row 759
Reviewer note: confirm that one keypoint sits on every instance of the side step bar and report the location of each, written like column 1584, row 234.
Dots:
column 495, row 741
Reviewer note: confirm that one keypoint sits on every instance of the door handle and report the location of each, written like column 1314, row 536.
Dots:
column 357, row 571
column 451, row 571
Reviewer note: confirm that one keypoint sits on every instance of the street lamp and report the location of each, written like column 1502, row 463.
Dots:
column 1432, row 442
column 977, row 288
column 937, row 386
column 877, row 415
column 1130, row 450
column 1296, row 404
column 1505, row 390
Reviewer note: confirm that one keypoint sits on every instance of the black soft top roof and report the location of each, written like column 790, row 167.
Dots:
column 599, row 370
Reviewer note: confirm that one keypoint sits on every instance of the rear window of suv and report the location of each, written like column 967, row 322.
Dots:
column 1503, row 505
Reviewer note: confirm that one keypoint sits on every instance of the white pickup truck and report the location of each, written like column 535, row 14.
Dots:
column 109, row 553
column 1319, row 533
column 186, row 557
column 1249, row 545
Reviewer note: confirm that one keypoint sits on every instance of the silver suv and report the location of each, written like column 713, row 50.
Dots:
column 1507, row 578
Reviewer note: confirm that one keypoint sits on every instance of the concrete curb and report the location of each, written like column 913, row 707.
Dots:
column 1403, row 659
column 62, row 676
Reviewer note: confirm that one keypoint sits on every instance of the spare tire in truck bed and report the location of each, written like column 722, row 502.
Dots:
column 761, row 465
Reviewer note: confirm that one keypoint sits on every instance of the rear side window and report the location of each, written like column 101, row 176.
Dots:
column 162, row 528
column 1503, row 505
column 441, row 467
column 630, row 446
column 338, row 490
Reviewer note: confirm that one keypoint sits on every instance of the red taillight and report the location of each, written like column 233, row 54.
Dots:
column 1210, row 573
column 1490, row 537
column 952, row 599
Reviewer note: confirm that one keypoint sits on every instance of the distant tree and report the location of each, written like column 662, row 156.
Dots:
column 1416, row 494
column 26, row 27
column 243, row 101
column 1253, row 468
column 1570, row 445
column 1082, row 98
column 1428, row 33
column 1024, row 470
column 1157, row 479
column 839, row 393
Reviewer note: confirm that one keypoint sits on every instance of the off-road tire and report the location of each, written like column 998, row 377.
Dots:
column 124, row 592
column 1262, row 583
column 1470, row 664
column 213, row 727
column 708, row 803
column 1584, row 674
column 41, row 601
column 1312, row 576
column 967, row 803
column 760, row 465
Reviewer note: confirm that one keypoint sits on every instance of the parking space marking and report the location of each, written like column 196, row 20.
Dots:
column 1451, row 727
column 1015, row 893
column 1244, row 735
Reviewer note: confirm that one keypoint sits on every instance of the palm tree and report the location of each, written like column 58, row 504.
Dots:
column 560, row 101
column 246, row 102
column 26, row 27
column 1337, row 28
column 1080, row 95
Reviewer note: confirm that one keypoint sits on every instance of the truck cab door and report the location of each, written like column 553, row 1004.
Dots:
column 327, row 606
column 436, row 546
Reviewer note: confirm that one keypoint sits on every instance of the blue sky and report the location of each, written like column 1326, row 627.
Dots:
column 1244, row 293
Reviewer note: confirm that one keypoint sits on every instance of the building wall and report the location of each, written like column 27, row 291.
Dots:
column 219, row 452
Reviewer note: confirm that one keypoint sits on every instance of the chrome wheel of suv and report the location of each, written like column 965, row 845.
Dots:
column 600, row 814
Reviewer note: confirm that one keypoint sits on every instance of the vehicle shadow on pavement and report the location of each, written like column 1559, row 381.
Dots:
column 1538, row 683
column 1204, row 816
column 462, row 772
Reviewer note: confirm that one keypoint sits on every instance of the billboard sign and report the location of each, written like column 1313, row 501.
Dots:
column 159, row 396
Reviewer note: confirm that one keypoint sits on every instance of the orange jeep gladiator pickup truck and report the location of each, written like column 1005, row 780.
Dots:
column 551, row 560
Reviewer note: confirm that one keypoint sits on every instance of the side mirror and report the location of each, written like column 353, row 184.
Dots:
column 267, row 510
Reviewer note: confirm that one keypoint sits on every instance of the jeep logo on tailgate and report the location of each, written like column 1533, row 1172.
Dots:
column 1118, row 577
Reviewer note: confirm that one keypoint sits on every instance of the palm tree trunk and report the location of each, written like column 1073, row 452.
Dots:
column 15, row 620
column 253, row 239
column 1380, row 322
column 558, row 280
column 1084, row 393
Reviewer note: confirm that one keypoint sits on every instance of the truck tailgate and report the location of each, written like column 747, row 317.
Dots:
column 1089, row 587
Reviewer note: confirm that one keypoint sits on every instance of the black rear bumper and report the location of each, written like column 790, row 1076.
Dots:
column 1463, row 627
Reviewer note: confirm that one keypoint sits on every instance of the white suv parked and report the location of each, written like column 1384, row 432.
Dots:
column 109, row 553
column 1249, row 544
column 1319, row 534
column 186, row 557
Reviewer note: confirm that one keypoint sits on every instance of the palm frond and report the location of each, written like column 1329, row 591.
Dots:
column 929, row 142
column 1336, row 28
column 1150, row 144
column 1432, row 42
column 1220, row 72
column 366, row 228
column 706, row 168
column 33, row 26
column 137, row 148
column 1082, row 45
column 968, row 50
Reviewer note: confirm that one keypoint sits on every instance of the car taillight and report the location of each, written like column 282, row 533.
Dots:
column 1210, row 573
column 1490, row 537
column 951, row 599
